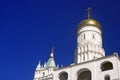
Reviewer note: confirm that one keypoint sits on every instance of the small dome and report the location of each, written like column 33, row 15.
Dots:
column 89, row 22
column 50, row 63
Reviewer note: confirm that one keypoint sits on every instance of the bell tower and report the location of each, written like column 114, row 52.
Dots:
column 89, row 40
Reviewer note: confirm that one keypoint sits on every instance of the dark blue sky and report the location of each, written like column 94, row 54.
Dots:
column 30, row 28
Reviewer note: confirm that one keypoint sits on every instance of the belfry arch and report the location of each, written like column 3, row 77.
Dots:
column 84, row 74
column 63, row 76
column 106, row 66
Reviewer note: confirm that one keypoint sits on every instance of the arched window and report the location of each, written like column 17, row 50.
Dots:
column 43, row 73
column 63, row 76
column 107, row 77
column 83, row 57
column 106, row 66
column 85, row 75
column 93, row 36
column 84, row 36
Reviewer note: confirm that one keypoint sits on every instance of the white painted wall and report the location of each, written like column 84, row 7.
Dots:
column 89, row 44
column 94, row 66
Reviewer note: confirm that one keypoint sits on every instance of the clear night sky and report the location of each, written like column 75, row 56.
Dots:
column 30, row 28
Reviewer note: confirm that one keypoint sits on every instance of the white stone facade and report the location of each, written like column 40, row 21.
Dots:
column 90, row 62
column 89, row 44
column 94, row 66
column 46, row 72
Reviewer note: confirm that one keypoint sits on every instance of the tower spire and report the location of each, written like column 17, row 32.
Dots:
column 52, row 53
column 38, row 66
column 52, row 49
column 89, row 13
column 51, row 61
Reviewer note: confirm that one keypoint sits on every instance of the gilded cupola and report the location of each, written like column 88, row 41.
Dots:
column 89, row 22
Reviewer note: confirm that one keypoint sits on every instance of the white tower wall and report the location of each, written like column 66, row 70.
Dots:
column 89, row 44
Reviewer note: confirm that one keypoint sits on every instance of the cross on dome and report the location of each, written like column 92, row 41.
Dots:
column 88, row 12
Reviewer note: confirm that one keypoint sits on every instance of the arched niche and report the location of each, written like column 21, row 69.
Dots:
column 84, row 74
column 107, row 77
column 106, row 66
column 63, row 76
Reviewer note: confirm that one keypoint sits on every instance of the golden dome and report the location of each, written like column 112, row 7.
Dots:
column 89, row 22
